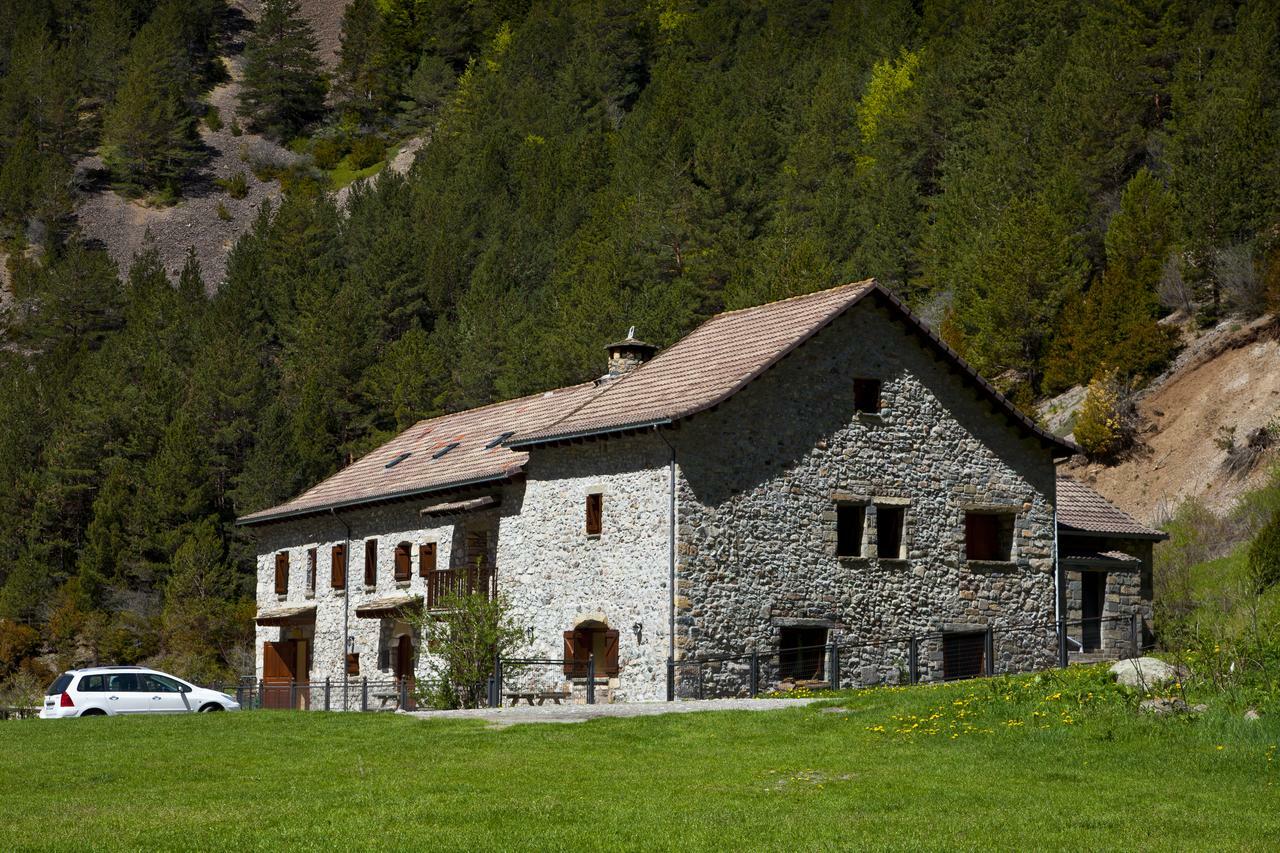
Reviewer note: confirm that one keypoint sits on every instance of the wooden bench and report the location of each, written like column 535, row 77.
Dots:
column 542, row 696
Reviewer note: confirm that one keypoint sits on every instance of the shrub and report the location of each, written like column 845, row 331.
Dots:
column 328, row 153
column 1106, row 424
column 223, row 213
column 17, row 643
column 464, row 639
column 366, row 151
column 235, row 128
column 1264, row 555
column 236, row 185
column 213, row 119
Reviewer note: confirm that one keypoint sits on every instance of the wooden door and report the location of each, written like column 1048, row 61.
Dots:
column 279, row 662
column 404, row 663
column 1093, row 590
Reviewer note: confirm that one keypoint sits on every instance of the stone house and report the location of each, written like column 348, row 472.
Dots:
column 814, row 469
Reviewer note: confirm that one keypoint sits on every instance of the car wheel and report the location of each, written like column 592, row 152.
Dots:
column 94, row 712
column 211, row 707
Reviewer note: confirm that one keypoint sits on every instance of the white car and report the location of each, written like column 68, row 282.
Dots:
column 112, row 690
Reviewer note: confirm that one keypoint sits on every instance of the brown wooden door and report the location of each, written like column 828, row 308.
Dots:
column 278, row 662
column 404, row 663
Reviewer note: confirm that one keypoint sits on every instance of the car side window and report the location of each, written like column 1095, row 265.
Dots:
column 160, row 684
column 93, row 684
column 124, row 682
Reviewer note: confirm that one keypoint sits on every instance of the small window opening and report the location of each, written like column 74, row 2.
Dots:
column 866, row 396
column 988, row 536
column 442, row 451
column 595, row 514
column 371, row 562
column 398, row 459
column 282, row 573
column 338, row 567
column 426, row 559
column 963, row 655
column 404, row 560
column 802, row 653
column 498, row 440
column 850, row 521
column 890, row 521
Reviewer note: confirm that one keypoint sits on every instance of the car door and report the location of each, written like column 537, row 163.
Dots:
column 123, row 694
column 162, row 694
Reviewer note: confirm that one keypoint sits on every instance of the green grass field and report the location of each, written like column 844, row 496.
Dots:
column 1055, row 761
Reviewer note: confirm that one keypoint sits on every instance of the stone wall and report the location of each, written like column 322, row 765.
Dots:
column 1127, row 591
column 761, row 476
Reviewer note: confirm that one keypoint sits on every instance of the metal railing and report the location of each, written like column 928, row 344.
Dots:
column 536, row 685
column 331, row 694
column 912, row 659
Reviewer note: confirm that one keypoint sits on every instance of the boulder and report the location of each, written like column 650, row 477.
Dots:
column 1164, row 705
column 1144, row 673
column 1252, row 715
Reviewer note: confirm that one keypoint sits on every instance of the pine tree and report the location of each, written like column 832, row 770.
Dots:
column 283, row 88
column 364, row 87
column 149, row 137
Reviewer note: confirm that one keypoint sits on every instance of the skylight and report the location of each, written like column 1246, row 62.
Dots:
column 498, row 440
column 442, row 451
column 400, row 458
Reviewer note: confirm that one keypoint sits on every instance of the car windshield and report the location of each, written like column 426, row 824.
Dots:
column 59, row 684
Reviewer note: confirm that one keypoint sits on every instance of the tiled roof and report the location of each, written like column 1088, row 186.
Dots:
column 1082, row 509
column 425, row 469
column 698, row 372
column 287, row 614
column 727, row 352
column 1093, row 556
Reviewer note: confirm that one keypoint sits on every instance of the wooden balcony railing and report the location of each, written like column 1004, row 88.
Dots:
column 468, row 580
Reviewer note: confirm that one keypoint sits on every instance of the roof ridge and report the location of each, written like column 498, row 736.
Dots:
column 811, row 294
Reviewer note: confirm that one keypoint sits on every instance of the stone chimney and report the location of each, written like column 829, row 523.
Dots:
column 628, row 354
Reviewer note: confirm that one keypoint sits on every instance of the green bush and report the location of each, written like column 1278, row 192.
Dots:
column 223, row 213
column 366, row 151
column 213, row 119
column 1264, row 555
column 328, row 153
column 1102, row 429
column 236, row 185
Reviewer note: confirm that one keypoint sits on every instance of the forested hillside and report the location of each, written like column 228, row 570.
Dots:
column 1043, row 180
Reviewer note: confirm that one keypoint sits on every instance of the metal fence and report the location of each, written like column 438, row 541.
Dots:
column 351, row 694
column 915, row 659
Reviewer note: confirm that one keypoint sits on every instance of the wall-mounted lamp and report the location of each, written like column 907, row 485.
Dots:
column 639, row 632
column 529, row 633
column 351, row 644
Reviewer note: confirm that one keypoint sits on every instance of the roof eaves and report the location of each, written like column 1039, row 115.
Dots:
column 268, row 516
column 556, row 438
column 1153, row 535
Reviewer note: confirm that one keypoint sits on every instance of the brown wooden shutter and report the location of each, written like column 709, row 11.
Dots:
column 311, row 571
column 568, row 653
column 282, row 573
column 353, row 663
column 426, row 559
column 371, row 562
column 403, row 562
column 595, row 514
column 611, row 667
column 338, row 567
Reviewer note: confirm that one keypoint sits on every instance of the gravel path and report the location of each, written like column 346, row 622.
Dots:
column 502, row 717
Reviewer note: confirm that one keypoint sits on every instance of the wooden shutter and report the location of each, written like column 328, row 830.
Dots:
column 353, row 663
column 338, row 567
column 568, row 653
column 403, row 562
column 371, row 562
column 282, row 573
column 595, row 514
column 611, row 653
column 426, row 559
column 311, row 571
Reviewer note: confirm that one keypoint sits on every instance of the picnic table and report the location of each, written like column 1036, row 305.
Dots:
column 541, row 695
column 19, row 712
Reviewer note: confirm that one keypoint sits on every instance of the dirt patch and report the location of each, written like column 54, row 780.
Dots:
column 1228, row 378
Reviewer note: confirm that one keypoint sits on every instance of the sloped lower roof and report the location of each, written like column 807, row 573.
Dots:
column 1082, row 510
column 425, row 469
column 727, row 352
column 1094, row 557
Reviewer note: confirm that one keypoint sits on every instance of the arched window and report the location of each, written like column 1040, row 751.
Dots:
column 403, row 561
column 591, row 638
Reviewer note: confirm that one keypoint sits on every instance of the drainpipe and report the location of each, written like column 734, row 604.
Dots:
column 346, row 602
column 671, row 549
column 1058, row 615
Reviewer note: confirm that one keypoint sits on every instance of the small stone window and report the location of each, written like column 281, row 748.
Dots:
column 890, row 526
column 988, row 536
column 426, row 559
column 802, row 652
column 964, row 655
column 404, row 562
column 338, row 567
column 595, row 514
column 866, row 396
column 282, row 573
column 371, row 562
column 850, row 523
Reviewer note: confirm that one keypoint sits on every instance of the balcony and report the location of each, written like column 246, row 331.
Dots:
column 466, row 580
